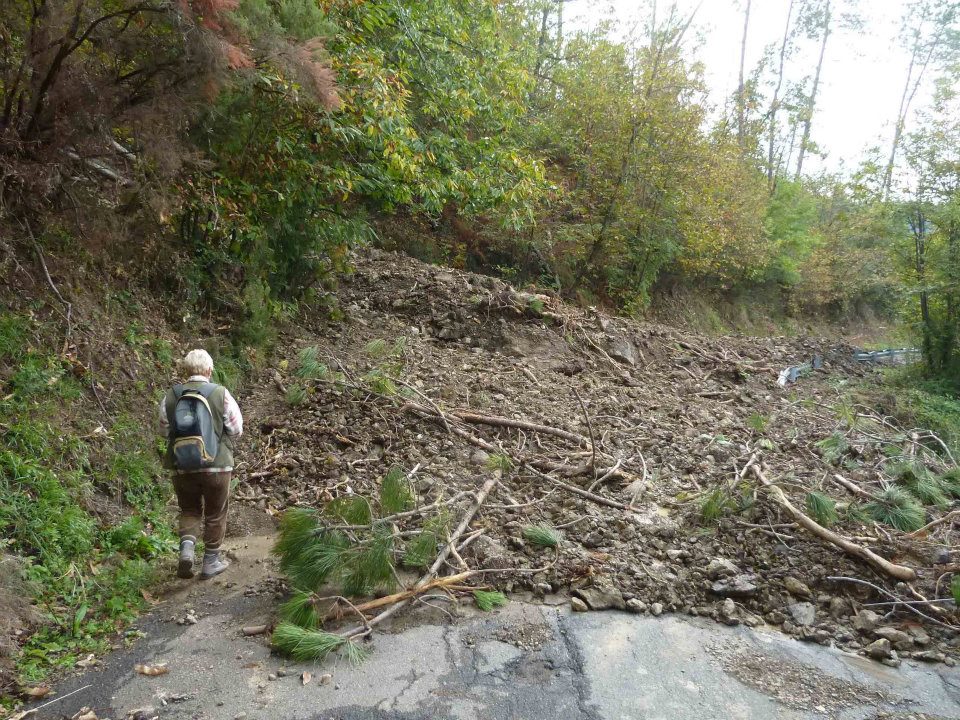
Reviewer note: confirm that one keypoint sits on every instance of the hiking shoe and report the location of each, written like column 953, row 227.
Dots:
column 185, row 566
column 213, row 564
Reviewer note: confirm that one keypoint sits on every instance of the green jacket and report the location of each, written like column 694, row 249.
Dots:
column 224, row 459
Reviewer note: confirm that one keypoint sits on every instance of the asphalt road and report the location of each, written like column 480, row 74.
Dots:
column 530, row 662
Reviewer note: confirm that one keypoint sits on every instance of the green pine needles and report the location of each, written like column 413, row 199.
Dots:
column 309, row 366
column 822, row 508
column 542, row 535
column 487, row 600
column 926, row 487
column 305, row 645
column 354, row 543
column 898, row 508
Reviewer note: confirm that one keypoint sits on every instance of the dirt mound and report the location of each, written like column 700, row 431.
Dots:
column 672, row 418
column 16, row 617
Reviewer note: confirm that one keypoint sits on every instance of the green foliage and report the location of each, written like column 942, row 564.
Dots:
column 921, row 483
column 716, row 504
column 296, row 395
column 758, row 423
column 300, row 609
column 421, row 552
column 305, row 645
column 377, row 348
column 542, row 535
column 822, row 508
column 309, row 366
column 500, row 462
column 351, row 509
column 380, row 383
column 395, row 492
column 950, row 482
column 898, row 508
column 833, row 447
column 955, row 589
column 487, row 600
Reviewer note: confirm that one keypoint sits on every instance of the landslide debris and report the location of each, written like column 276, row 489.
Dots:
column 673, row 418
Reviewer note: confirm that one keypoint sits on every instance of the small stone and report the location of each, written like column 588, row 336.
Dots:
column 602, row 597
column 739, row 586
column 919, row 635
column 325, row 679
column 656, row 609
column 240, row 716
column 892, row 661
column 879, row 649
column 578, row 605
column 541, row 589
column 271, row 677
column 479, row 457
column 728, row 612
column 838, row 607
column 795, row 587
column 898, row 638
column 674, row 554
column 720, row 568
column 775, row 617
column 636, row 606
column 929, row 656
column 866, row 620
column 803, row 613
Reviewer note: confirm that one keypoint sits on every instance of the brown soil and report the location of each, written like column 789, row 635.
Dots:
column 680, row 412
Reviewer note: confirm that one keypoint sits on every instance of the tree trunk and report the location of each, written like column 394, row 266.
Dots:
column 741, row 90
column 775, row 102
column 811, row 104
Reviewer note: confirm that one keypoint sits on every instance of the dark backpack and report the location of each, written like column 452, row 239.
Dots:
column 193, row 436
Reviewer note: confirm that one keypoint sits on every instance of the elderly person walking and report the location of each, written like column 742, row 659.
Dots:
column 201, row 419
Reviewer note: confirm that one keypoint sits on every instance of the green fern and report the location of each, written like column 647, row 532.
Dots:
column 542, row 535
column 395, row 493
column 898, row 508
column 822, row 508
column 832, row 447
column 487, row 600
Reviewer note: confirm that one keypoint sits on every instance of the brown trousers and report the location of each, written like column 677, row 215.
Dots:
column 203, row 498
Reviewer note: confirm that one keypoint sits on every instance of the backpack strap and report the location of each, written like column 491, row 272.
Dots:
column 205, row 391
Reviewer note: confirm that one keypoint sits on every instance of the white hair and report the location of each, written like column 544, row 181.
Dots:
column 197, row 362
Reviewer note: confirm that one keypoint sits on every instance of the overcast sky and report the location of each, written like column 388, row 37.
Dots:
column 862, row 76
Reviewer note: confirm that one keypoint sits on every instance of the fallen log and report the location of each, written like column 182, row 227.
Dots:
column 852, row 487
column 900, row 572
column 498, row 421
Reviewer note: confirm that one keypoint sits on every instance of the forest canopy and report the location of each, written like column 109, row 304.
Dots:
column 251, row 143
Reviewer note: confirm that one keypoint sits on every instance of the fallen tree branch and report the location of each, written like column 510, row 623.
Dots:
column 939, row 521
column 593, row 444
column 498, row 421
column 840, row 578
column 409, row 593
column 851, row 486
column 900, row 572
column 599, row 499
column 465, row 521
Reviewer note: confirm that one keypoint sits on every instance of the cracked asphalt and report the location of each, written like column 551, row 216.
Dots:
column 526, row 661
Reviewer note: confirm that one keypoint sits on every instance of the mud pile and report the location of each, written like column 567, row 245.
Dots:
column 673, row 418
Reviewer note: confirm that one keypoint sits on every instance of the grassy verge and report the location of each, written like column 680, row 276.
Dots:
column 920, row 402
column 82, row 496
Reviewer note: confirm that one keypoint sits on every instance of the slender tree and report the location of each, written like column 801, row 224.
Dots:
column 741, row 88
column 775, row 101
column 926, row 27
column 807, row 117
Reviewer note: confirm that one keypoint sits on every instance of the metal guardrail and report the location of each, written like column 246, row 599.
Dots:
column 892, row 356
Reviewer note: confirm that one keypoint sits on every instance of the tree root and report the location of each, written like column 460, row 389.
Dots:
column 900, row 572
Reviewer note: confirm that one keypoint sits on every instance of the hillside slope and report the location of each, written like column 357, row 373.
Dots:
column 674, row 417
